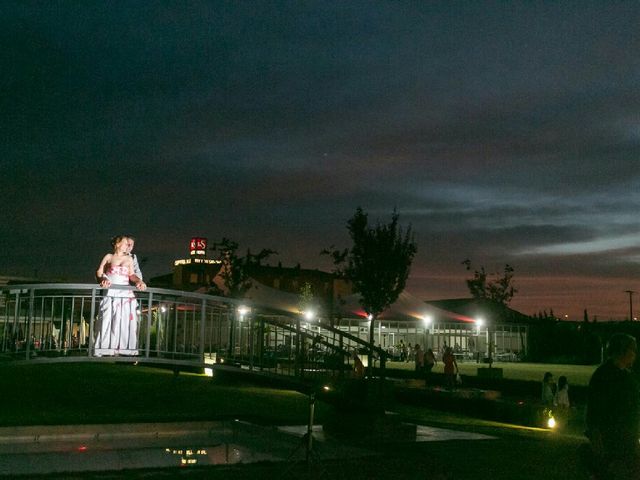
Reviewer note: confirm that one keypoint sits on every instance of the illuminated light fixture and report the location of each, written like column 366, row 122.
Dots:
column 243, row 310
column 479, row 322
column 326, row 388
column 427, row 320
column 163, row 309
column 210, row 360
column 369, row 317
column 309, row 315
column 551, row 422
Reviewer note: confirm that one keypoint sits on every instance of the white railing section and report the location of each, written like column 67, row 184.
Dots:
column 87, row 321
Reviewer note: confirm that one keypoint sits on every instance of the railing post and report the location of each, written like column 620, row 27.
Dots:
column 297, row 366
column 232, row 327
column 30, row 321
column 261, row 344
column 203, row 316
column 147, row 345
column 92, row 320
column 6, row 321
column 251, row 343
column 16, row 314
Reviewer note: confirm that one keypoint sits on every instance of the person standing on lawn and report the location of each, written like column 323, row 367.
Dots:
column 548, row 390
column 450, row 367
column 419, row 358
column 613, row 412
column 429, row 362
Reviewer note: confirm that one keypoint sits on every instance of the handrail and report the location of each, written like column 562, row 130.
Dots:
column 88, row 286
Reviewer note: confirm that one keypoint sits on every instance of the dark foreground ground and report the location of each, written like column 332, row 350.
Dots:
column 51, row 395
column 512, row 453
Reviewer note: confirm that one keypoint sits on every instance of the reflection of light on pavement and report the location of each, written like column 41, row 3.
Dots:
column 221, row 454
column 300, row 430
column 187, row 456
column 423, row 433
column 433, row 434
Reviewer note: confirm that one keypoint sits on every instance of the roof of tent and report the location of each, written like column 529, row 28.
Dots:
column 406, row 308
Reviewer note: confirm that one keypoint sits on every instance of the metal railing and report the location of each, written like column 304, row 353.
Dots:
column 87, row 321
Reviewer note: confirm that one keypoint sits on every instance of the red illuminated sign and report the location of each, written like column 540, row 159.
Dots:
column 198, row 246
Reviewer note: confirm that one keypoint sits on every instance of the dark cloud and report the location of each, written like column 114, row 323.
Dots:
column 503, row 133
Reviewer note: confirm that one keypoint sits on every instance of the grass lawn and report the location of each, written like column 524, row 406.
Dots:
column 576, row 374
column 105, row 393
column 60, row 394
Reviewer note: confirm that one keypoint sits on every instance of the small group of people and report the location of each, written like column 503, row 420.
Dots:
column 426, row 360
column 117, row 325
column 555, row 395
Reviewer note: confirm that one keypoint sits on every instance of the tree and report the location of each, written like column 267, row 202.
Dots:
column 307, row 304
column 377, row 264
column 500, row 290
column 236, row 270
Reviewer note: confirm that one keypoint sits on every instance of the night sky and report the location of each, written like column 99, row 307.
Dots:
column 504, row 132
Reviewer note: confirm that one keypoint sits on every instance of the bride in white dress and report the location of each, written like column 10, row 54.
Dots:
column 117, row 325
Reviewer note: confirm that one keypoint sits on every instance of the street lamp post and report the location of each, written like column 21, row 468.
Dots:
column 630, row 292
column 242, row 312
column 426, row 320
column 479, row 324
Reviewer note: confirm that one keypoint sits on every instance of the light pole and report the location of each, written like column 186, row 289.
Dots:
column 309, row 315
column 479, row 324
column 426, row 320
column 630, row 292
column 242, row 312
